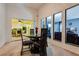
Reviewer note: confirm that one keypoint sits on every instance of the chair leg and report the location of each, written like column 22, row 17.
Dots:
column 30, row 46
column 21, row 51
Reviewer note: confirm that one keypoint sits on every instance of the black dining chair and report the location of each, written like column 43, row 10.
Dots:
column 40, row 46
column 43, row 42
column 25, row 43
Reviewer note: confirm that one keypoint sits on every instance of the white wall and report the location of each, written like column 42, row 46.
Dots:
column 18, row 11
column 2, row 24
column 50, row 9
column 9, row 11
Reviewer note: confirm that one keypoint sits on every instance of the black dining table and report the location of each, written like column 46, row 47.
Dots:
column 36, row 40
column 38, row 48
column 33, row 37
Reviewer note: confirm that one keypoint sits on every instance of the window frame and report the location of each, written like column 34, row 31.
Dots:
column 54, row 26
column 66, row 20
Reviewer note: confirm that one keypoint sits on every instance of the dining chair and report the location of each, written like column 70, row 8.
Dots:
column 43, row 42
column 25, row 43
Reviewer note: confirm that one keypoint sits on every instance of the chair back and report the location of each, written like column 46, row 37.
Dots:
column 43, row 42
column 21, row 36
column 44, row 36
column 31, row 31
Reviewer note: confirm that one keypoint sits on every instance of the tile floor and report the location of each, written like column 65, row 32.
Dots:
column 14, row 48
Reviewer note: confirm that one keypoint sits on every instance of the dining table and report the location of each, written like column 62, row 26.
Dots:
column 37, row 47
column 36, row 42
column 33, row 37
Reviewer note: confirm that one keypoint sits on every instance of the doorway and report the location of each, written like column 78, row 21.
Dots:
column 24, row 25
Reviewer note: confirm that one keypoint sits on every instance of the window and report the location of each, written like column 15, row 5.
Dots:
column 42, row 23
column 48, row 26
column 72, row 25
column 58, row 26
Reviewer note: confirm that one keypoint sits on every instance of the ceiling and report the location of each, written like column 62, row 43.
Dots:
column 34, row 5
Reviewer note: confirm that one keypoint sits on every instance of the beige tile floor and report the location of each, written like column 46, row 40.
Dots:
column 14, row 48
column 57, row 51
